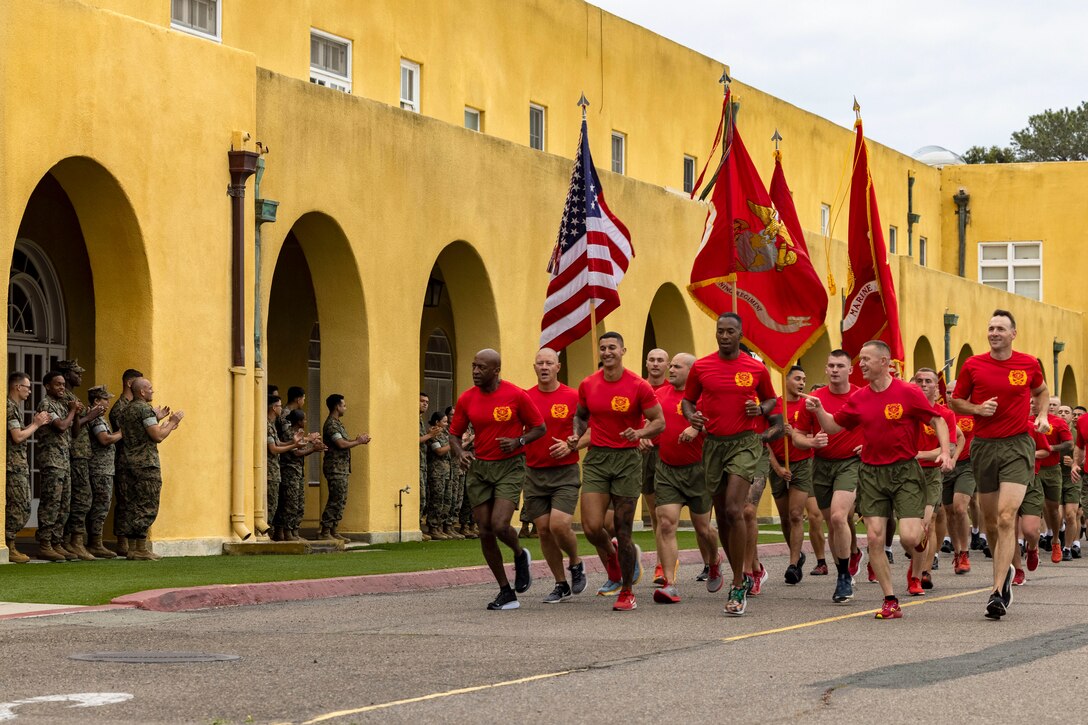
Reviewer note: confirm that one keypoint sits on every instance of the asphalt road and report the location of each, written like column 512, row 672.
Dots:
column 404, row 657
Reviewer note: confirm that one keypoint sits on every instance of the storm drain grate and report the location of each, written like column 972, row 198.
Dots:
column 152, row 658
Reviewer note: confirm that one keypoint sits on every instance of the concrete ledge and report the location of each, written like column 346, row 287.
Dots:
column 384, row 537
column 256, row 548
column 210, row 546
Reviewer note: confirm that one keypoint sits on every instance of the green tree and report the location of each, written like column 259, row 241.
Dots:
column 991, row 155
column 1060, row 135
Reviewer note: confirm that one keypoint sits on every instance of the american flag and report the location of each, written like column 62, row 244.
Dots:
column 590, row 258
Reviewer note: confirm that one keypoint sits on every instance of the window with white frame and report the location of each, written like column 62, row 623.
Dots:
column 409, row 85
column 619, row 152
column 199, row 17
column 536, row 126
column 825, row 219
column 893, row 239
column 923, row 251
column 472, row 118
column 330, row 60
column 689, row 174
column 1015, row 267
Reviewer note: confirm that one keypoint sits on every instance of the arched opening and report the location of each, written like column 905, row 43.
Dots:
column 317, row 340
column 1069, row 387
column 438, row 370
column 923, row 356
column 814, row 361
column 668, row 325
column 961, row 357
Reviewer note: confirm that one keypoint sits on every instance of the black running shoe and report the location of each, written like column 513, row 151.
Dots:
column 844, row 589
column 976, row 541
column 562, row 591
column 1067, row 555
column 986, row 550
column 577, row 577
column 523, row 578
column 704, row 574
column 793, row 574
column 1075, row 551
column 1006, row 587
column 936, row 562
column 946, row 546
column 1044, row 542
column 888, row 553
column 800, row 563
column 995, row 608
column 505, row 600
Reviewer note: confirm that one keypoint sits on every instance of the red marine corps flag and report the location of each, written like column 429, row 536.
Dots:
column 870, row 311
column 749, row 243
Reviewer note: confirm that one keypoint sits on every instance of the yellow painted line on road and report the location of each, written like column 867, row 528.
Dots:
column 852, row 615
column 438, row 695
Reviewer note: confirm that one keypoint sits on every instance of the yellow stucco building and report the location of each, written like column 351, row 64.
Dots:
column 420, row 154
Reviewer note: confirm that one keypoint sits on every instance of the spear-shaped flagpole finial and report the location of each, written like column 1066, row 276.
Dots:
column 776, row 138
column 725, row 80
column 584, row 104
column 857, row 109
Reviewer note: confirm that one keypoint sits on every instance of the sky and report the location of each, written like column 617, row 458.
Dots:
column 952, row 73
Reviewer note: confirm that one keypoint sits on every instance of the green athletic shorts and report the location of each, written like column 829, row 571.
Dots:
column 898, row 487
column 801, row 480
column 1032, row 505
column 737, row 455
column 1002, row 460
column 555, row 487
column 960, row 479
column 615, row 471
column 934, row 485
column 831, row 475
column 495, row 479
column 649, row 469
column 1051, row 476
column 684, row 485
column 1071, row 492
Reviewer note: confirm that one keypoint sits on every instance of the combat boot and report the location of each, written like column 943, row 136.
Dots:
column 291, row 535
column 96, row 547
column 277, row 533
column 47, row 552
column 469, row 530
column 324, row 534
column 151, row 551
column 438, row 534
column 424, row 537
column 75, row 545
column 139, row 551
column 61, row 549
column 453, row 533
column 122, row 546
column 14, row 555
column 337, row 535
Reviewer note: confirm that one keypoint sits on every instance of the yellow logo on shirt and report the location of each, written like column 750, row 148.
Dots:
column 1018, row 377
column 560, row 411
column 621, row 404
column 502, row 413
column 928, row 430
column 893, row 411
column 679, row 408
column 966, row 424
column 743, row 379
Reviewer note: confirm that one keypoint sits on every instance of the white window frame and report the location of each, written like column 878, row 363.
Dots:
column 694, row 164
column 412, row 104
column 470, row 111
column 322, row 77
column 218, row 37
column 543, row 126
column 1009, row 263
column 893, row 239
column 923, row 251
column 825, row 219
column 622, row 138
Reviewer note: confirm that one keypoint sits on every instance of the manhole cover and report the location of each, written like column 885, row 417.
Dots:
column 144, row 658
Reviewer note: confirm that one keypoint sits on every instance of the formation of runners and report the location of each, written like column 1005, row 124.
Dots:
column 988, row 465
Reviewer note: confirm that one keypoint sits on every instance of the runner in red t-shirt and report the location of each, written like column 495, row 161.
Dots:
column 957, row 492
column 1080, row 425
column 889, row 479
column 622, row 409
column 1031, row 508
column 1071, row 492
column 726, row 393
column 995, row 388
column 1050, row 473
column 657, row 370
column 505, row 421
column 552, row 477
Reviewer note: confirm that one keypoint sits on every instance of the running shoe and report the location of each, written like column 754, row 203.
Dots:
column 757, row 580
column 1044, row 542
column 704, row 574
column 946, row 546
column 844, row 589
column 914, row 584
column 638, row 568
column 888, row 553
column 819, row 570
column 523, row 577
column 986, row 550
column 793, row 574
column 505, row 600
column 1023, row 547
column 1076, row 550
column 1006, row 587
column 1032, row 559
column 737, row 602
column 855, row 562
column 715, row 580
column 936, row 563
column 562, row 591
column 927, row 580
column 1056, row 552
column 890, row 610
column 749, row 583
column 976, row 541
column 577, row 577
column 1019, row 578
column 995, row 608
column 1067, row 555
column 962, row 563
column 872, row 574
column 659, row 576
column 625, row 602
column 610, row 588
column 667, row 594
column 801, row 559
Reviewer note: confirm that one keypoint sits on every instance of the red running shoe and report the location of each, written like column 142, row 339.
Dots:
column 1018, row 578
column 890, row 610
column 1033, row 559
column 872, row 574
column 1056, row 551
column 757, row 580
column 962, row 563
column 659, row 576
column 667, row 594
column 625, row 602
column 855, row 562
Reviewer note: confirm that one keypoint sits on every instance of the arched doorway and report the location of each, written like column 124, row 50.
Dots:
column 923, row 356
column 961, row 357
column 438, row 370
column 1069, row 387
column 668, row 325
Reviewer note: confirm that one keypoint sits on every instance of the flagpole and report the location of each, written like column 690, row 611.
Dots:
column 785, row 422
column 583, row 103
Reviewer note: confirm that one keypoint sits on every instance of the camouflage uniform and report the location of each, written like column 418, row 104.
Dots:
column 439, row 489
column 337, row 468
column 54, row 463
column 17, row 512
column 284, row 433
column 101, row 470
column 121, row 471
column 465, row 514
column 273, row 487
column 457, row 493
column 292, row 490
column 144, row 471
column 82, row 497
column 422, row 471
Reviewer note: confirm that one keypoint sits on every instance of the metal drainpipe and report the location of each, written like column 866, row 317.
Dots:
column 964, row 217
column 265, row 212
column 950, row 320
column 242, row 165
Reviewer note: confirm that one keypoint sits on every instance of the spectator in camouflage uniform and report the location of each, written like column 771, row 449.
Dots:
column 293, row 475
column 121, row 476
column 55, row 467
column 143, row 432
column 296, row 399
column 469, row 527
column 17, row 512
column 425, row 435
column 103, row 441
column 82, row 498
column 439, row 488
column 336, row 465
column 277, row 446
column 452, row 523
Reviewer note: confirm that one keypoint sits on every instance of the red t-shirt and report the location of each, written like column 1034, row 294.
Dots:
column 1059, row 433
column 614, row 407
column 965, row 423
column 664, row 386
column 800, row 418
column 722, row 387
column 841, row 445
column 889, row 421
column 1082, row 430
column 505, row 413
column 557, row 408
column 1010, row 381
column 927, row 434
column 669, row 448
column 1041, row 442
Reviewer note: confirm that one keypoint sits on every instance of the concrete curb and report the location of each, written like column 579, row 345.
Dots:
column 64, row 610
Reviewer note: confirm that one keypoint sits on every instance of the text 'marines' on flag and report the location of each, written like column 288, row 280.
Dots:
column 870, row 311
column 750, row 243
column 591, row 255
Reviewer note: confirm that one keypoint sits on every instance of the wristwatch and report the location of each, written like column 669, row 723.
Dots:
column 521, row 441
